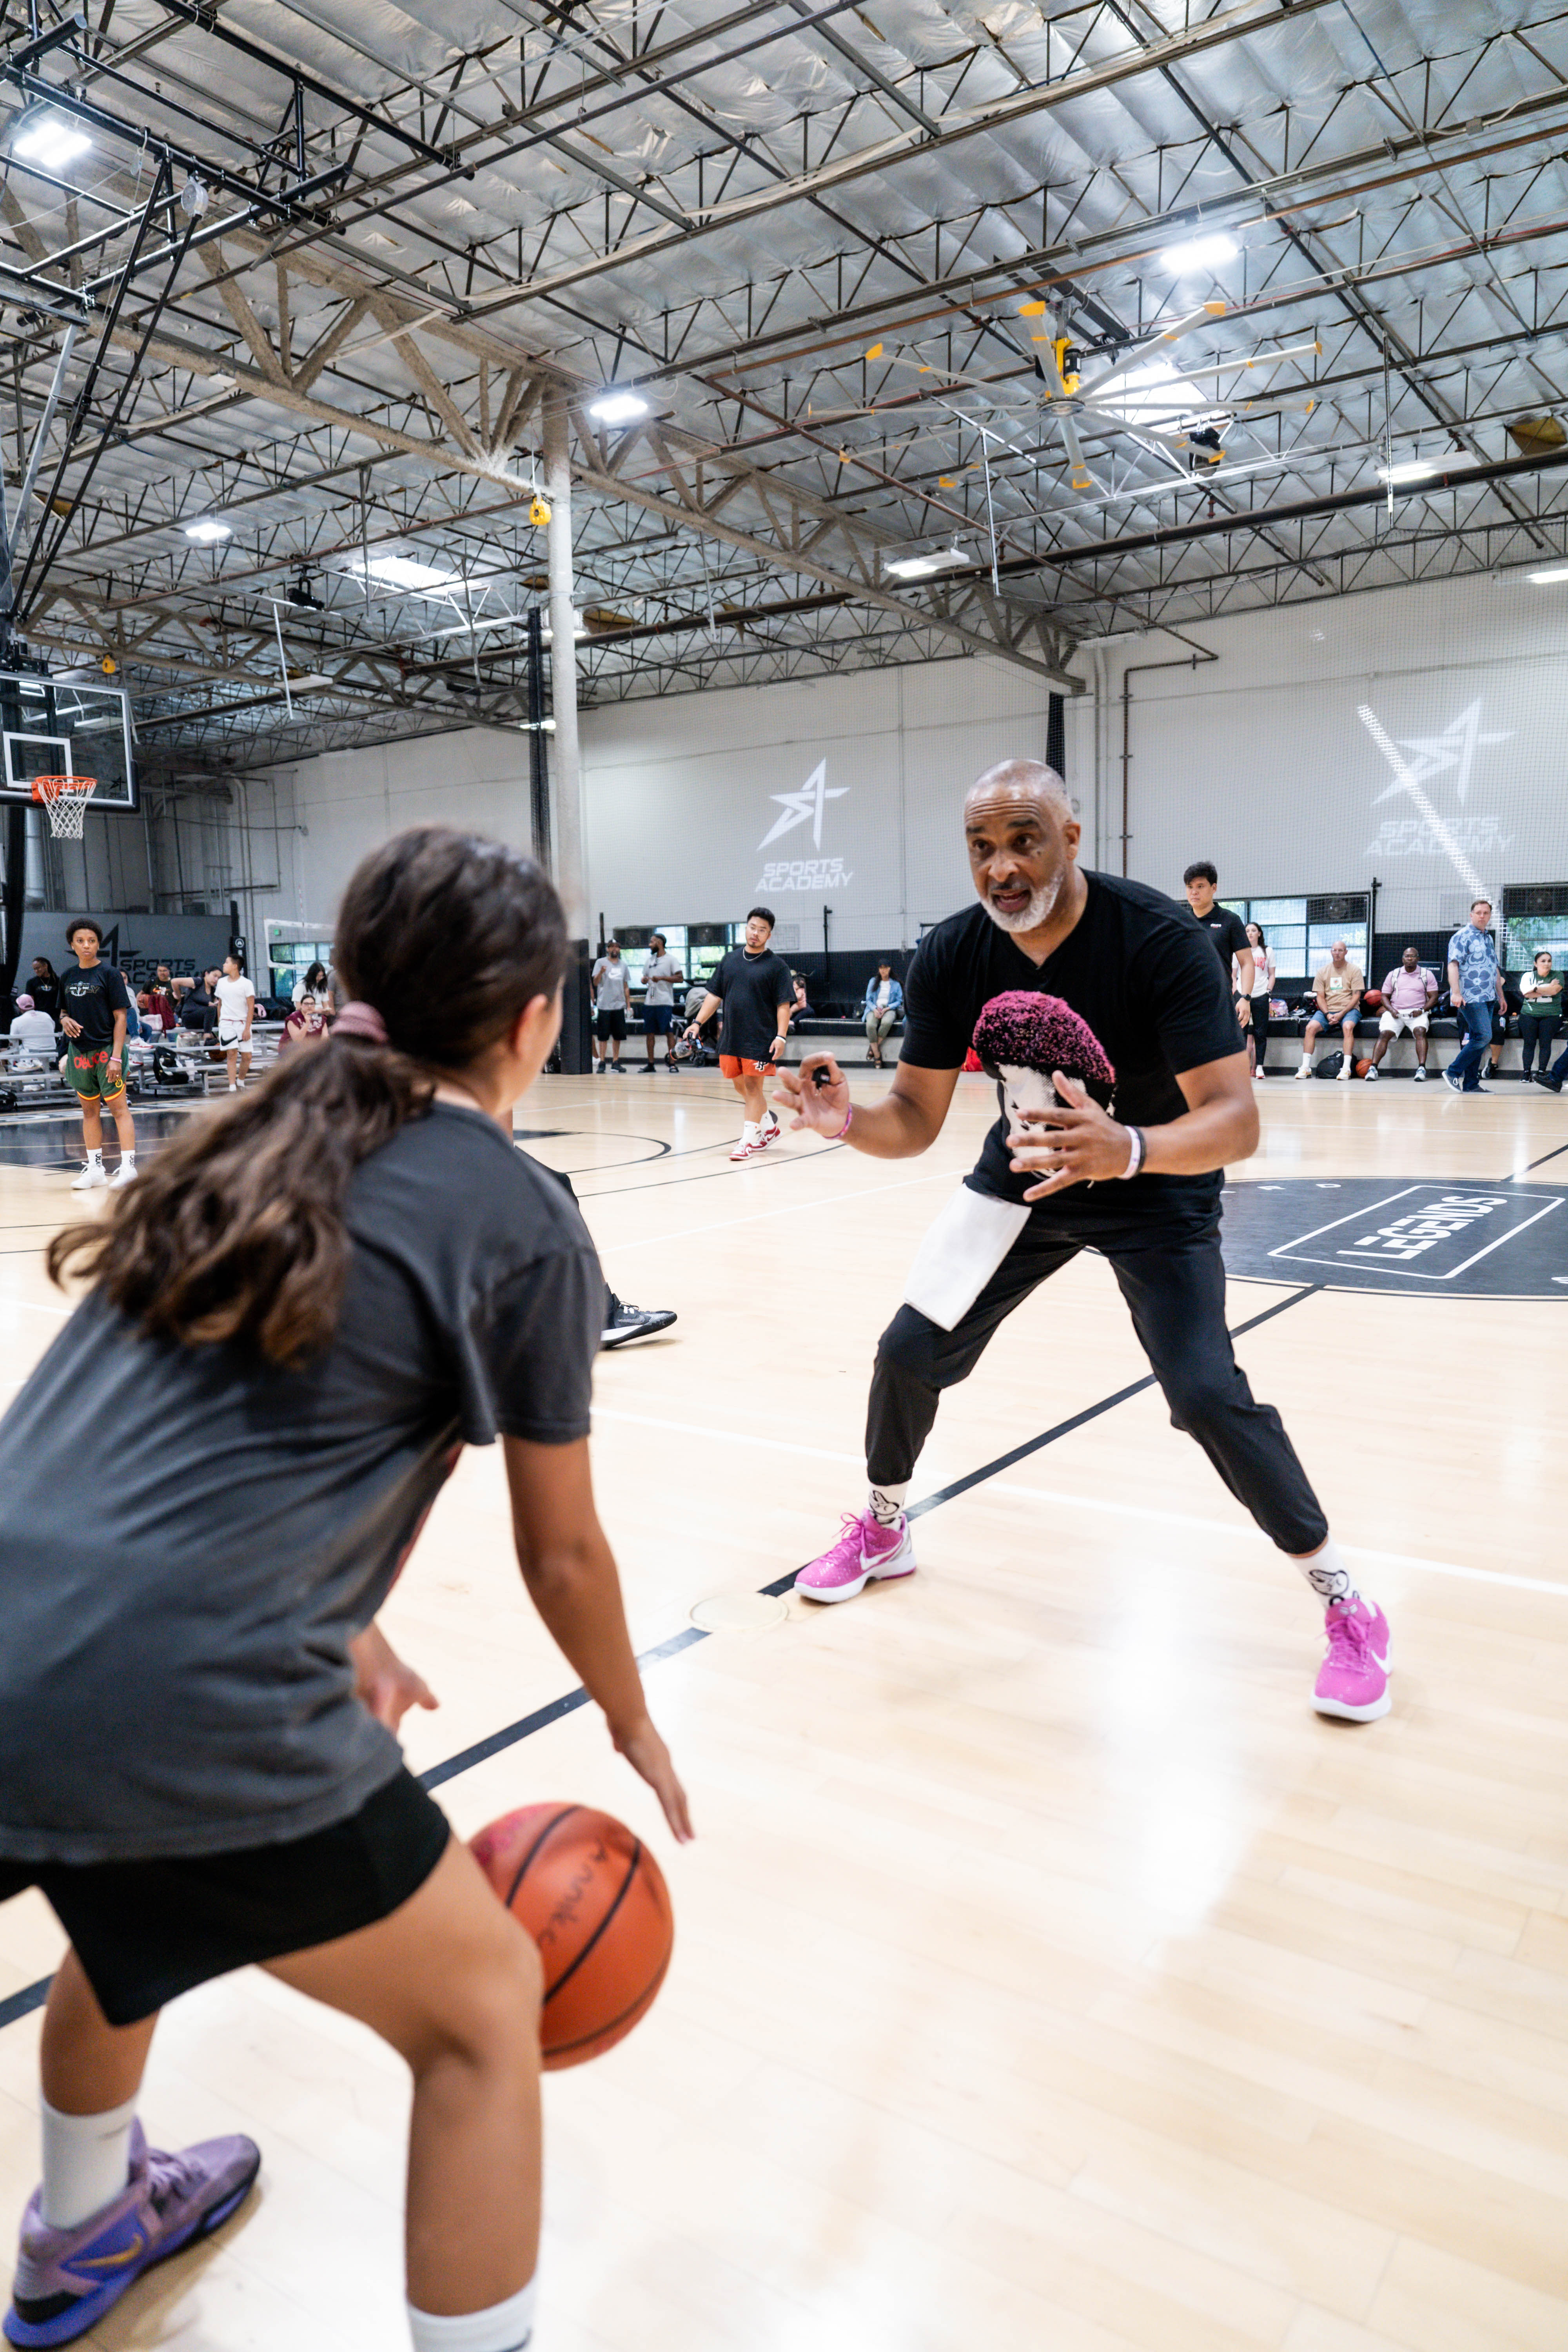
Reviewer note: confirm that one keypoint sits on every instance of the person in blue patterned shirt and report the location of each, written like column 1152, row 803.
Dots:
column 1474, row 984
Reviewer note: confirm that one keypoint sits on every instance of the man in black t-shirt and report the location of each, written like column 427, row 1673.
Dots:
column 1227, row 929
column 94, row 1009
column 755, row 990
column 1049, row 1183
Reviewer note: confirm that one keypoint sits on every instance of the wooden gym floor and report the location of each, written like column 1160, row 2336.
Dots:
column 1048, row 1978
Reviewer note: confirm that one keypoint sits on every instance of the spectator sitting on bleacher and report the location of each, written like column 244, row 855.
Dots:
column 198, row 1007
column 884, row 1005
column 32, row 1037
column 149, row 1014
column 1336, row 990
column 1408, row 995
column 306, row 1025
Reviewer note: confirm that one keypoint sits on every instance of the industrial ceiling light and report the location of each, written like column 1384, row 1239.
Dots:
column 50, row 139
column 926, row 567
column 617, row 407
column 1408, row 469
column 208, row 532
column 404, row 572
column 1547, row 579
column 1200, row 253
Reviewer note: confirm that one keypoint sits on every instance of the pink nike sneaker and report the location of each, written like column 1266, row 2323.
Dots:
column 865, row 1553
column 67, row 2279
column 1352, row 1681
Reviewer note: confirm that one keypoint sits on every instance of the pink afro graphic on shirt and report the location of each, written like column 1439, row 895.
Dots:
column 1022, row 1030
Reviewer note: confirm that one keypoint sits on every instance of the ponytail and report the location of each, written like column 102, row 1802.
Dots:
column 236, row 1234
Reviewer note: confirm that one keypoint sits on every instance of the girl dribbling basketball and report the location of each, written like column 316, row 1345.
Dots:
column 293, row 1322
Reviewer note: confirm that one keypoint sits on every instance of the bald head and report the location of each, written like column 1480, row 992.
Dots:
column 1022, row 837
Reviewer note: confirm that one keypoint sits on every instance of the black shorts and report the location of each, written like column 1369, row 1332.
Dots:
column 610, row 1024
column 147, row 1931
column 657, row 1020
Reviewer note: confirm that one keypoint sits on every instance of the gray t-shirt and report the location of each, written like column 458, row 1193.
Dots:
column 174, row 1676
column 660, row 973
column 610, row 985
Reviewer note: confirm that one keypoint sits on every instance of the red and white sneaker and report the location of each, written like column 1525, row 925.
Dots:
column 769, row 1132
column 1352, row 1681
column 747, row 1148
column 865, row 1553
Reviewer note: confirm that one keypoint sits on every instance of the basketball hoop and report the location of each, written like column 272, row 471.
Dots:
column 65, row 798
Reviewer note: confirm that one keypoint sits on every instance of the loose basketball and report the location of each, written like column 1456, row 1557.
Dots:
column 594, row 1901
column 1373, row 999
column 1361, row 1067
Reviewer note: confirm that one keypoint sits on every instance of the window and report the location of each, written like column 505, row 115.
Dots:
column 1527, row 934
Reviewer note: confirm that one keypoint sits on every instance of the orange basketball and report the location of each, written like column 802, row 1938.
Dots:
column 594, row 1901
column 1361, row 1068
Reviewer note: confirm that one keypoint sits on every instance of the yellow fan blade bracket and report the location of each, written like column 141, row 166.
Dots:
column 1031, row 309
column 1215, row 310
column 875, row 352
column 946, row 482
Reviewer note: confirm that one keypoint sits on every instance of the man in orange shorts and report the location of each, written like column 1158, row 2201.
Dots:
column 754, row 988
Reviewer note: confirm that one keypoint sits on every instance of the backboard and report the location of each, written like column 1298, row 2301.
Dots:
column 70, row 726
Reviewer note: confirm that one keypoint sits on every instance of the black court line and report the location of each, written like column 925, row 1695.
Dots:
column 31, row 1997
column 1512, row 1178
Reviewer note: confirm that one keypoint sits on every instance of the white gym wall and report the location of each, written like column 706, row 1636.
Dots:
column 1259, row 759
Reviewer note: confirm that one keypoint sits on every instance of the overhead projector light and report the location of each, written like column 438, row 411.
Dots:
column 208, row 531
column 926, row 567
column 1200, row 253
column 613, row 407
column 51, row 140
column 1408, row 469
column 1548, row 579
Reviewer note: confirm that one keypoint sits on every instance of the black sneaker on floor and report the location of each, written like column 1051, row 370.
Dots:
column 622, row 1322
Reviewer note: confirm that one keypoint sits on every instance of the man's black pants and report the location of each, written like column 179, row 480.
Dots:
column 1172, row 1276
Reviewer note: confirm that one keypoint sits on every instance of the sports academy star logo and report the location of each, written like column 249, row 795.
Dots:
column 806, row 806
column 1416, row 760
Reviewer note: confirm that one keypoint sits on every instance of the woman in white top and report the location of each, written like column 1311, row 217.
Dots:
column 1263, row 970
column 235, row 1012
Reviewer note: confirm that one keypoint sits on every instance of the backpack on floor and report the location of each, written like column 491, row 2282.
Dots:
column 1329, row 1066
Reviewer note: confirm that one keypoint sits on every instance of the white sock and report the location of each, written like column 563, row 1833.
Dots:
column 1327, row 1574
column 1306, row 1061
column 504, row 2327
column 95, row 1158
column 87, row 2162
column 886, row 1504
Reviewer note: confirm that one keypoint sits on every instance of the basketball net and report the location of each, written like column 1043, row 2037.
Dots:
column 65, row 798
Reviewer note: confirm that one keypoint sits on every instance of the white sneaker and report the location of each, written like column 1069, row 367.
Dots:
column 1304, row 1072
column 1258, row 1076
column 747, row 1148
column 92, row 1178
column 124, row 1175
column 1420, row 1076
column 1345, row 1075
column 1372, row 1074
column 769, row 1132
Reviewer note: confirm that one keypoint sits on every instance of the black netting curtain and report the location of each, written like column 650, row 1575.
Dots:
column 1057, row 736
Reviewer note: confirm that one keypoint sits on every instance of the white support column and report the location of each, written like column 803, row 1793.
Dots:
column 565, row 772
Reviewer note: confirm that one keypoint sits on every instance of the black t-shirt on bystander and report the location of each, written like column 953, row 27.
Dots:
column 752, row 989
column 93, row 995
column 1136, row 967
column 1224, row 926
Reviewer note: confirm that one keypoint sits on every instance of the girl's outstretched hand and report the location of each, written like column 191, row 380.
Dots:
column 646, row 1752
column 387, row 1687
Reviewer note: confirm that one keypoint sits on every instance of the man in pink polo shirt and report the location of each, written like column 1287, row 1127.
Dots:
column 1408, row 995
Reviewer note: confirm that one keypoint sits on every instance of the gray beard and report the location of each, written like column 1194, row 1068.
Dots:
column 1033, row 914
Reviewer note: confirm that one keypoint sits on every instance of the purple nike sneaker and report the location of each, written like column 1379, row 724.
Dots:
column 67, row 2279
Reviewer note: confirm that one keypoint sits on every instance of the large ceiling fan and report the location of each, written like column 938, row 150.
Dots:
column 1138, row 394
